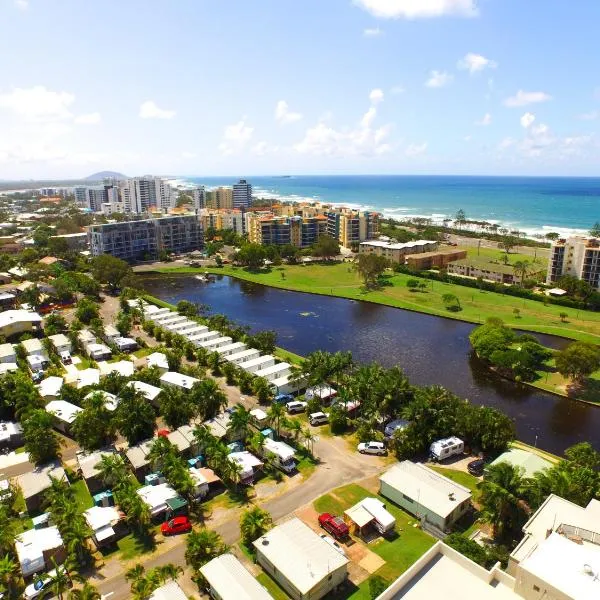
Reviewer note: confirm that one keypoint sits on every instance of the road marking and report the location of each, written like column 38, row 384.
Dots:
column 106, row 595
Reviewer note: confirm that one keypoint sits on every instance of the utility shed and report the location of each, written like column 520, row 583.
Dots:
column 229, row 580
column 424, row 493
column 301, row 562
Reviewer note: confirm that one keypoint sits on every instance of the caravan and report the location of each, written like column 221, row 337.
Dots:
column 443, row 449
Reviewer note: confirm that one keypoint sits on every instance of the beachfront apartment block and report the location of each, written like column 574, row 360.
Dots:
column 233, row 219
column 351, row 227
column 146, row 238
column 269, row 229
column 242, row 194
column 577, row 256
column 221, row 197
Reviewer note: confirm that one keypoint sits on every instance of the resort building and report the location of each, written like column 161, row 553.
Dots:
column 576, row 256
column 351, row 227
column 146, row 238
column 397, row 253
column 233, row 219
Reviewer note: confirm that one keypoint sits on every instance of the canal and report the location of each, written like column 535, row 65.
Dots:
column 430, row 350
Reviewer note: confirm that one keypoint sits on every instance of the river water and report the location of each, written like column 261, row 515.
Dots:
column 430, row 350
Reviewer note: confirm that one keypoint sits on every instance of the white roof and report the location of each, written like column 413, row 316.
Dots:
column 63, row 410
column 6, row 367
column 259, row 414
column 157, row 359
column 122, row 367
column 406, row 245
column 95, row 348
column 567, row 566
column 99, row 517
column 178, row 379
column 242, row 354
column 149, row 391
column 38, row 480
column 110, row 400
column 235, row 346
column 88, row 462
column 156, row 496
column 215, row 341
column 6, row 350
column 231, row 581
column 256, row 362
column 299, row 554
column 169, row 591
column 432, row 490
column 246, row 460
column 373, row 507
column 178, row 440
column 88, row 377
column 33, row 345
column 194, row 330
column 8, row 429
column 218, row 425
column 280, row 448
column 279, row 367
column 31, row 545
column 137, row 454
column 59, row 339
column 111, row 331
column 50, row 386
column 85, row 335
column 322, row 391
column 197, row 476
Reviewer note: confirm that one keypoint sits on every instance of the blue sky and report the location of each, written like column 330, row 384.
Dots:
column 242, row 87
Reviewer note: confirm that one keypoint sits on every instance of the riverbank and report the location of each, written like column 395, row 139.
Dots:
column 340, row 280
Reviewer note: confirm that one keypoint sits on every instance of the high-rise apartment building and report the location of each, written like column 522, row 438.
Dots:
column 199, row 196
column 144, row 239
column 222, row 197
column 350, row 227
column 576, row 256
column 242, row 194
column 80, row 194
column 224, row 219
column 95, row 197
column 142, row 194
column 298, row 231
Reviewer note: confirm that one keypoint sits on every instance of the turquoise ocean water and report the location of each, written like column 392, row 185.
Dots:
column 535, row 205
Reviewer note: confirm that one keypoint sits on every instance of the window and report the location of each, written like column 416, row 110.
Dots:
column 407, row 498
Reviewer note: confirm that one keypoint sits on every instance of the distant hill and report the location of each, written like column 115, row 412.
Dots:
column 104, row 174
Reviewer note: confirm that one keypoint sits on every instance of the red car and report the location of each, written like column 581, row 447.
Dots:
column 334, row 525
column 176, row 525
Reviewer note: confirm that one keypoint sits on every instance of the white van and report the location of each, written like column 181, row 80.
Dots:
column 318, row 418
column 295, row 407
column 443, row 449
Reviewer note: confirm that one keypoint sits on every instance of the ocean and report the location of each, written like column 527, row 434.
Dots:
column 534, row 205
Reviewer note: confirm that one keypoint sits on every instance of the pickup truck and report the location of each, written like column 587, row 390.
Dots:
column 334, row 525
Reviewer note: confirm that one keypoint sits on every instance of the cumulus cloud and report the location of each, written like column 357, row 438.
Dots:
column 485, row 120
column 372, row 32
column 38, row 103
column 475, row 62
column 522, row 98
column 89, row 119
column 438, row 79
column 527, row 120
column 418, row 9
column 150, row 110
column 416, row 149
column 236, row 137
column 284, row 115
column 364, row 139
column 376, row 96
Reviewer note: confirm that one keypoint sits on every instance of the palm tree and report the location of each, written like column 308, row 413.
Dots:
column 9, row 574
column 294, row 426
column 160, row 449
column 521, row 268
column 202, row 546
column 239, row 422
column 309, row 439
column 61, row 581
column 113, row 470
column 204, row 438
column 254, row 522
column 208, row 398
column 501, row 494
column 87, row 592
column 168, row 571
column 276, row 413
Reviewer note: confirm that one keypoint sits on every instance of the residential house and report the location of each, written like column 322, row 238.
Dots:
column 302, row 563
column 34, row 347
column 434, row 499
column 179, row 380
column 237, row 358
column 11, row 434
column 368, row 514
column 530, row 462
column 257, row 364
column 248, row 464
column 87, row 377
column 38, row 550
column 60, row 342
column 137, row 457
column 107, row 524
column 50, row 388
column 158, row 360
column 150, row 392
column 125, row 368
column 169, row 591
column 7, row 354
column 156, row 497
column 34, row 483
column 64, row 414
column 14, row 322
column 88, row 463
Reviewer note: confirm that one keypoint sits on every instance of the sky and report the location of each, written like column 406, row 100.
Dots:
column 261, row 87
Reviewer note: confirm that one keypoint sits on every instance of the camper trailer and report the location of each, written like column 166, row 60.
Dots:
column 443, row 449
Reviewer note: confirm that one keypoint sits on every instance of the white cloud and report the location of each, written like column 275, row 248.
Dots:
column 38, row 103
column 263, row 149
column 522, row 98
column 362, row 140
column 416, row 149
column 236, row 137
column 397, row 90
column 149, row 110
column 485, row 120
column 372, row 32
column 376, row 96
column 438, row 79
column 188, row 155
column 590, row 116
column 418, row 9
column 527, row 119
column 475, row 63
column 284, row 115
column 89, row 119
column 506, row 143
column 22, row 4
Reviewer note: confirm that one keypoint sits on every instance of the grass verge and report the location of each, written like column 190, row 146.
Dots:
column 272, row 587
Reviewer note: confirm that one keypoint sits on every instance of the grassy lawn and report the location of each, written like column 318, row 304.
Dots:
column 460, row 477
column 306, row 465
column 272, row 587
column 132, row 546
column 83, row 497
column 497, row 255
column 339, row 279
column 400, row 552
column 287, row 356
column 85, row 363
column 143, row 352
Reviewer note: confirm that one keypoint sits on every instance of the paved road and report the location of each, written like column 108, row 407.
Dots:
column 338, row 467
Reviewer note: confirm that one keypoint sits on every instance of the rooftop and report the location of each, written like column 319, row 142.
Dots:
column 169, row 591
column 428, row 488
column 6, row 351
column 403, row 246
column 63, row 410
column 8, row 317
column 122, row 367
column 150, row 392
column 50, row 386
column 300, row 554
column 38, row 480
column 32, row 544
column 33, row 345
column 178, row 379
column 87, row 462
column 530, row 463
column 156, row 496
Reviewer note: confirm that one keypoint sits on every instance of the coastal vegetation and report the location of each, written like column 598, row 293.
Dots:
column 340, row 279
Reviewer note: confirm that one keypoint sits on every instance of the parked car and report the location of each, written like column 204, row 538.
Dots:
column 475, row 467
column 296, row 407
column 333, row 544
column 65, row 357
column 40, row 588
column 318, row 418
column 334, row 525
column 283, row 398
column 372, row 448
column 176, row 525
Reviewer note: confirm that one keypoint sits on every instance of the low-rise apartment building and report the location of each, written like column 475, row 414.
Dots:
column 397, row 252
column 233, row 219
column 576, row 256
column 351, row 227
column 146, row 238
column 490, row 272
column 268, row 229
column 438, row 259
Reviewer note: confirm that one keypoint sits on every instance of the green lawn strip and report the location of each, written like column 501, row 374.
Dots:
column 287, row 356
column 306, row 465
column 143, row 352
column 496, row 255
column 465, row 479
column 84, row 363
column 82, row 495
column 339, row 279
column 20, row 450
column 131, row 546
column 272, row 587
